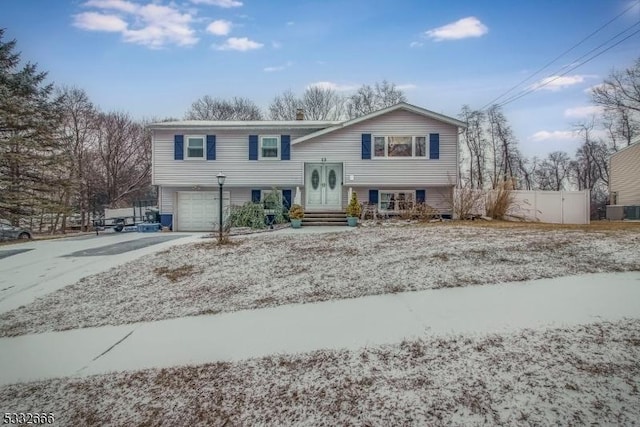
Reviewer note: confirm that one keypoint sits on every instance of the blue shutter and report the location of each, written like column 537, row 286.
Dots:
column 253, row 147
column 286, row 199
column 211, row 147
column 434, row 145
column 366, row 146
column 178, row 147
column 285, row 143
column 255, row 196
column 421, row 196
column 373, row 196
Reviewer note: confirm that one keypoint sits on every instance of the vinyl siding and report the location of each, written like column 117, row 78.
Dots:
column 345, row 146
column 232, row 154
column 436, row 196
column 625, row 175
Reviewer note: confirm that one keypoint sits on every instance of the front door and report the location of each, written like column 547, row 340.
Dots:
column 323, row 186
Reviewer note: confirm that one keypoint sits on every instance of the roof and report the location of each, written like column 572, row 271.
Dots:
column 401, row 106
column 634, row 144
column 247, row 124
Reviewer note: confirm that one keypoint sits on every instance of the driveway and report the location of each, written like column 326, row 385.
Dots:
column 36, row 268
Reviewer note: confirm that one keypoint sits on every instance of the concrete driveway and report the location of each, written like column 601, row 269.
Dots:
column 35, row 268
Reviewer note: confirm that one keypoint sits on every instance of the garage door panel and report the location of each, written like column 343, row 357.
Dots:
column 198, row 210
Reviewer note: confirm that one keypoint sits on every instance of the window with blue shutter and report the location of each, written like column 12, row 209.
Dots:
column 211, row 147
column 253, row 147
column 178, row 147
column 285, row 144
column 434, row 145
column 366, row 146
column 286, row 199
column 421, row 196
column 255, row 196
column 373, row 196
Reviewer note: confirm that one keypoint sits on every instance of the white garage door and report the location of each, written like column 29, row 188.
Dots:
column 198, row 210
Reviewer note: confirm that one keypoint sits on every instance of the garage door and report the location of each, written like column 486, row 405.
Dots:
column 198, row 210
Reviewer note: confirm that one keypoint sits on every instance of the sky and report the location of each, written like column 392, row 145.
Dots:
column 153, row 58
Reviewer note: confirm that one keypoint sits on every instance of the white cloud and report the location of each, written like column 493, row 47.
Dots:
column 239, row 43
column 407, row 86
column 590, row 89
column 583, row 111
column 219, row 27
column 278, row 67
column 556, row 83
column 220, row 3
column 461, row 29
column 151, row 25
column 416, row 44
column 544, row 135
column 93, row 21
column 333, row 86
column 119, row 5
column 290, row 23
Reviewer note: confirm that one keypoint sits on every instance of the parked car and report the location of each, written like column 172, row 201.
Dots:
column 9, row 232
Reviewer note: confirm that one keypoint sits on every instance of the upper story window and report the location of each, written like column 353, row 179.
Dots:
column 270, row 147
column 399, row 146
column 194, row 147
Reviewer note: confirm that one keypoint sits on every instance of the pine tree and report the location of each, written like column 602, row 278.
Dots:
column 32, row 159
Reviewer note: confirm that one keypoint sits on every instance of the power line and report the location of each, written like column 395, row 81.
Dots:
column 561, row 55
column 515, row 97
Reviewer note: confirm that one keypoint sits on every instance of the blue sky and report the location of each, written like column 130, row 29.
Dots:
column 154, row 58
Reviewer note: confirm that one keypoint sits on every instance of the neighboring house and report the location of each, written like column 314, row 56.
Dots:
column 399, row 153
column 624, row 183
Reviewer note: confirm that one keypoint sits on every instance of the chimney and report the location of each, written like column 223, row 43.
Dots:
column 299, row 114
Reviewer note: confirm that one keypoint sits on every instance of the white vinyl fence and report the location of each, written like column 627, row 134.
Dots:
column 558, row 207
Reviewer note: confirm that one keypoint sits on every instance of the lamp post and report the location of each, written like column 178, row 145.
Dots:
column 221, row 177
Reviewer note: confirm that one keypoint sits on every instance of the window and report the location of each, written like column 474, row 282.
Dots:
column 421, row 146
column 399, row 146
column 396, row 201
column 270, row 147
column 195, row 147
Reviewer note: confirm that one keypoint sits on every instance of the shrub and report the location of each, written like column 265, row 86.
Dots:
column 296, row 212
column 272, row 202
column 354, row 209
column 499, row 201
column 248, row 215
column 421, row 212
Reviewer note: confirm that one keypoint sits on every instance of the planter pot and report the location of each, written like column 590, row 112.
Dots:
column 296, row 223
column 352, row 221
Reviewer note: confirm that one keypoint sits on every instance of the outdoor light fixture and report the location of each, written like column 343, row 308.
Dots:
column 221, row 177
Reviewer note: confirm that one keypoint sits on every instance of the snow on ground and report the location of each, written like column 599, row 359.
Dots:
column 582, row 375
column 271, row 269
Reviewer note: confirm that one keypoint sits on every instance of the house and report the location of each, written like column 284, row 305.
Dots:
column 624, row 183
column 401, row 152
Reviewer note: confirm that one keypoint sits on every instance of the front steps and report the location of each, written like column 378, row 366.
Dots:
column 324, row 218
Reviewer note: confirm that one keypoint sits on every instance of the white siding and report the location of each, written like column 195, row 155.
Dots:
column 345, row 146
column 232, row 158
column 625, row 175
column 436, row 196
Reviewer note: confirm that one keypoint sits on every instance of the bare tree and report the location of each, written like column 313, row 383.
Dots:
column 322, row 104
column 123, row 158
column 284, row 106
column 79, row 127
column 504, row 147
column 369, row 99
column 476, row 144
column 553, row 172
column 619, row 95
column 209, row 108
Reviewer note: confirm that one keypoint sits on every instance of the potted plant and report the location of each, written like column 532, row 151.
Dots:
column 353, row 210
column 296, row 213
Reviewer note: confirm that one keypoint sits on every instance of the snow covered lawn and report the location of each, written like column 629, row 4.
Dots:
column 271, row 269
column 582, row 375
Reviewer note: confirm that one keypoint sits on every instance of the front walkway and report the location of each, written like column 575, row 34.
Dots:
column 349, row 324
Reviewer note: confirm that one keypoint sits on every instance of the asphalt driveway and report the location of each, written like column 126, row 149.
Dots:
column 36, row 268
